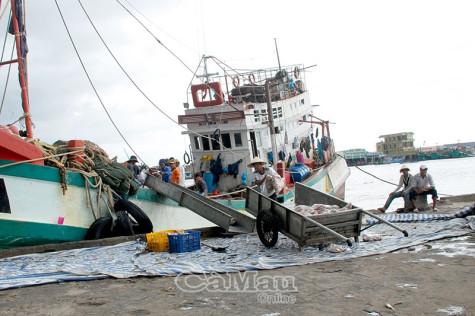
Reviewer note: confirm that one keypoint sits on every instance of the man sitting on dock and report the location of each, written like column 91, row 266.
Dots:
column 407, row 180
column 423, row 185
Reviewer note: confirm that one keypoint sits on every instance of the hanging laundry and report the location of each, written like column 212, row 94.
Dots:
column 295, row 144
column 307, row 146
column 233, row 169
column 216, row 168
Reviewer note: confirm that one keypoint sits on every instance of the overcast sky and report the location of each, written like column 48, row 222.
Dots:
column 382, row 67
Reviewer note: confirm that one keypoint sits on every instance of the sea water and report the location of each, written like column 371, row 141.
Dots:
column 451, row 177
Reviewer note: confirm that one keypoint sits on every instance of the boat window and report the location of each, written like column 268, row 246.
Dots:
column 237, row 140
column 302, row 101
column 264, row 118
column 226, row 140
column 205, row 142
column 258, row 139
column 279, row 111
column 274, row 112
column 304, row 118
column 197, row 142
column 256, row 116
column 215, row 145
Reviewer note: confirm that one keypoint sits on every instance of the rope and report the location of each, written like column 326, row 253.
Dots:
column 133, row 82
column 4, row 9
column 36, row 159
column 352, row 165
column 92, row 84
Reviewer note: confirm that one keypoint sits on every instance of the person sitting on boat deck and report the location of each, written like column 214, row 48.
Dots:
column 164, row 170
column 406, row 180
column 201, row 185
column 182, row 172
column 134, row 169
column 175, row 172
column 260, row 174
column 423, row 185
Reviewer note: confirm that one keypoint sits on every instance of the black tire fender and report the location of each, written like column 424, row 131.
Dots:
column 267, row 228
column 144, row 223
column 100, row 228
column 122, row 226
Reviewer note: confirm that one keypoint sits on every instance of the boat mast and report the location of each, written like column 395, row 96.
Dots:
column 270, row 115
column 21, row 61
column 277, row 52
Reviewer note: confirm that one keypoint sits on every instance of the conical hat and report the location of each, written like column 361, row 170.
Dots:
column 256, row 160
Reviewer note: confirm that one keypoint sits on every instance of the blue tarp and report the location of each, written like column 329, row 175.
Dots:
column 245, row 252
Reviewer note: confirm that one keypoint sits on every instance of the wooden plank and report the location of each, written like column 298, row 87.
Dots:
column 335, row 227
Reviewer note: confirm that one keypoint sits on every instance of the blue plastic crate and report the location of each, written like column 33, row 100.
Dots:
column 188, row 241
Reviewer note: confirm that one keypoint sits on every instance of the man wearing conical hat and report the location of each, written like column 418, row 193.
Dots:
column 261, row 174
column 406, row 180
column 134, row 169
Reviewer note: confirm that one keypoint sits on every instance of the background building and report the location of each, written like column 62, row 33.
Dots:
column 398, row 145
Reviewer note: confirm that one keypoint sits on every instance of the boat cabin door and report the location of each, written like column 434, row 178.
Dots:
column 252, row 137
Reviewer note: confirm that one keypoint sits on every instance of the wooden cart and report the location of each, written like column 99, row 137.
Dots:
column 272, row 217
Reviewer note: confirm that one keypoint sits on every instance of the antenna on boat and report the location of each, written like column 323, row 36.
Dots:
column 277, row 51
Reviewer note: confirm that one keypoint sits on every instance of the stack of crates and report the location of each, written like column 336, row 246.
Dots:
column 174, row 241
column 188, row 241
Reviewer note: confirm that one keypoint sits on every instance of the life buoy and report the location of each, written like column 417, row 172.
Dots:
column 186, row 158
column 215, row 86
column 296, row 72
column 252, row 78
column 236, row 81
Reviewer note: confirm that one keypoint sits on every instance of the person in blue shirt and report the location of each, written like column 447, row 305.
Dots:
column 165, row 171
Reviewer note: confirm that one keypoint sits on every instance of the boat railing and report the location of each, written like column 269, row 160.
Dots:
column 244, row 86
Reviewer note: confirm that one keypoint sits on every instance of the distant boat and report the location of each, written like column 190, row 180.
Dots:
column 389, row 159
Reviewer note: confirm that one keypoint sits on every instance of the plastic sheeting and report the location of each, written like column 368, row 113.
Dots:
column 244, row 252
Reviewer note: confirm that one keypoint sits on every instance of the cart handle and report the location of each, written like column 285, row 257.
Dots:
column 330, row 231
column 386, row 222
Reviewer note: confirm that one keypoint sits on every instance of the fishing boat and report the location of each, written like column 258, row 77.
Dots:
column 236, row 116
column 262, row 113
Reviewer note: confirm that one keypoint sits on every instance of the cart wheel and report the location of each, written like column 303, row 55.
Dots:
column 267, row 228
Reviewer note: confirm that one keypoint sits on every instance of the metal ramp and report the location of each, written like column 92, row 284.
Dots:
column 225, row 217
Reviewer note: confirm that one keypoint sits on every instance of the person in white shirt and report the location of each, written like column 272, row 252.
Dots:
column 423, row 185
column 182, row 172
column 260, row 174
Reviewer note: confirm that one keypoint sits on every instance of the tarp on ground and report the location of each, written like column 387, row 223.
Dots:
column 244, row 252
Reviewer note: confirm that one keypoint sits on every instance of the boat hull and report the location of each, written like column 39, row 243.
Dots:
column 40, row 213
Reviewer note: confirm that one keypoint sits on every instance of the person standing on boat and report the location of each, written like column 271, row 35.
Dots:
column 406, row 180
column 201, row 185
column 423, row 185
column 182, row 172
column 134, row 169
column 164, row 171
column 261, row 174
column 175, row 172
